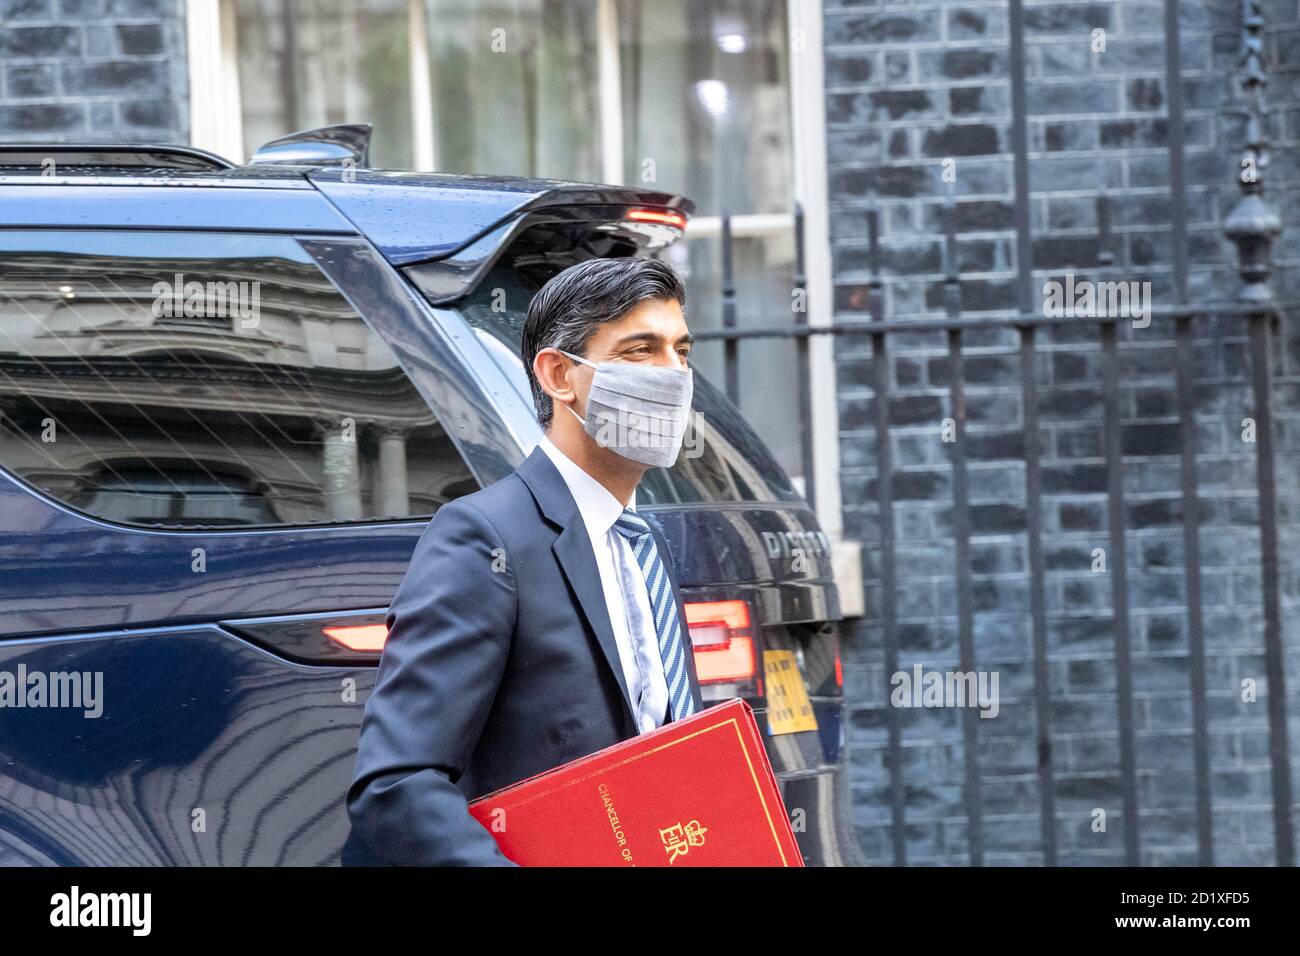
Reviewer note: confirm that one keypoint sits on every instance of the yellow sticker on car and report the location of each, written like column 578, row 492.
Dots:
column 788, row 708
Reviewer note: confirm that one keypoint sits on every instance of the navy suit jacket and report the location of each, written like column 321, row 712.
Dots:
column 500, row 663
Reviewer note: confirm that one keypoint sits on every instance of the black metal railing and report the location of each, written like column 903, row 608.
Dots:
column 1252, row 226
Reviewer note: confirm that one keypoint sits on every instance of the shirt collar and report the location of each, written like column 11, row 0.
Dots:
column 599, row 508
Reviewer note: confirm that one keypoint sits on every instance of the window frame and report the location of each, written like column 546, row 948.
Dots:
column 216, row 119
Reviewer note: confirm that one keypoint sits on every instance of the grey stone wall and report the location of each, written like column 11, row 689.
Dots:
column 93, row 71
column 909, row 84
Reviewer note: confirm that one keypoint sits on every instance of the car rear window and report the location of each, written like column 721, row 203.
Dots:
column 186, row 380
column 722, row 460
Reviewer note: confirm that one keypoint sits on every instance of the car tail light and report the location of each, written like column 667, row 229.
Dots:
column 663, row 217
column 359, row 637
column 340, row 637
column 722, row 636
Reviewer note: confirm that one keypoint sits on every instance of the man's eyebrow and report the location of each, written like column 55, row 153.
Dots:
column 638, row 337
column 632, row 337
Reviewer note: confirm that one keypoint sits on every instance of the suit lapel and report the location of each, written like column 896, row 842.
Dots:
column 572, row 550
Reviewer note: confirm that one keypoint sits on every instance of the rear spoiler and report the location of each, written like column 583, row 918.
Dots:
column 538, row 243
column 415, row 218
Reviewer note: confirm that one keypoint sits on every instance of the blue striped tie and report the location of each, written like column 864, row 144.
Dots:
column 667, row 625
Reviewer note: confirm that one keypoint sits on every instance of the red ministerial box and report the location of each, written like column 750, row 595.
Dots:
column 694, row 792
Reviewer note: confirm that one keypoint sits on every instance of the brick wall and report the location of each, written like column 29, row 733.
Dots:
column 909, row 85
column 93, row 71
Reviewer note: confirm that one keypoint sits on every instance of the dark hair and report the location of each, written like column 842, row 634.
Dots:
column 566, row 310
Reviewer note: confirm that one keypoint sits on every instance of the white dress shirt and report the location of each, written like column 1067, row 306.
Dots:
column 626, row 597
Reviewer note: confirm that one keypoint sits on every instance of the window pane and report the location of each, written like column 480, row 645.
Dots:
column 706, row 107
column 187, row 380
column 514, row 87
column 310, row 63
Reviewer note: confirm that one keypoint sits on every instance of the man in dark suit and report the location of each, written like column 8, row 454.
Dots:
column 539, row 620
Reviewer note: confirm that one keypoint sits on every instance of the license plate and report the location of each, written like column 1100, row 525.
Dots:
column 788, row 708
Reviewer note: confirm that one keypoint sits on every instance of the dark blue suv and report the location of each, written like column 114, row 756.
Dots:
column 230, row 399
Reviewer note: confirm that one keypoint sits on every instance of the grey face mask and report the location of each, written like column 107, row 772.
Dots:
column 638, row 411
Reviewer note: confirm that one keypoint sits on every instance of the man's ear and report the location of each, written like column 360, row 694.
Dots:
column 552, row 372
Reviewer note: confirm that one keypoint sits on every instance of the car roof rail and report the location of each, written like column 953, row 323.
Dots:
column 110, row 155
column 327, row 146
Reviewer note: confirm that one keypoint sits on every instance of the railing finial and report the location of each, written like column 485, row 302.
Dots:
column 1253, row 224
